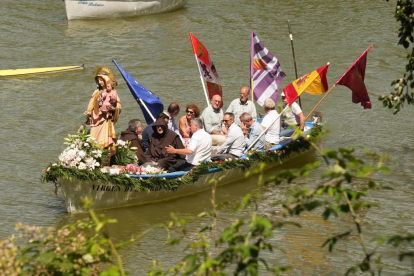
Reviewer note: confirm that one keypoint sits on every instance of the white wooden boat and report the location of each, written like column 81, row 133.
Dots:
column 76, row 9
column 109, row 195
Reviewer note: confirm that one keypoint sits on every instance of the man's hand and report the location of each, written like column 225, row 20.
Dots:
column 170, row 149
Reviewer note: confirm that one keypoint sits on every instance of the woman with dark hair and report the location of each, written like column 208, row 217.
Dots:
column 192, row 111
column 160, row 140
column 101, row 122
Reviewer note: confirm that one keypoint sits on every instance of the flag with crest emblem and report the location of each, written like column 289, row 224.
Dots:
column 313, row 83
column 208, row 70
column 265, row 71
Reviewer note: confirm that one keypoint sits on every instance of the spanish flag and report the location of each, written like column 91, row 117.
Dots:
column 313, row 83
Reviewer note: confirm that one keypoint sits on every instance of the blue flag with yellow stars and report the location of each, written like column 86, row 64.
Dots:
column 147, row 100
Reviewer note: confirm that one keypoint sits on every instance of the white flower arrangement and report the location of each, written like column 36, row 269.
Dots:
column 81, row 153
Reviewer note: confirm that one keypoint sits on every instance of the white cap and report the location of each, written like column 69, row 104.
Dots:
column 283, row 94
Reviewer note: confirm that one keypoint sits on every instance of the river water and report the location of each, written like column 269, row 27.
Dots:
column 38, row 112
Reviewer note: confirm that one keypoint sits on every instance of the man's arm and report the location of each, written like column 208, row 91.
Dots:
column 227, row 143
column 185, row 151
column 302, row 121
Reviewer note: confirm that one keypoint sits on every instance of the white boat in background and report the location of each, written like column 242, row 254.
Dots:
column 76, row 9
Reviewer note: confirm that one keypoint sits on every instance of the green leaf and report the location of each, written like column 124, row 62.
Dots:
column 113, row 271
column 46, row 257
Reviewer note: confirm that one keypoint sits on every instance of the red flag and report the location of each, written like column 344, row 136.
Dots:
column 207, row 67
column 354, row 80
column 214, row 89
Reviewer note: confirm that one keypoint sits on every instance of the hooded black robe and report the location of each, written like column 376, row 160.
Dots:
column 157, row 149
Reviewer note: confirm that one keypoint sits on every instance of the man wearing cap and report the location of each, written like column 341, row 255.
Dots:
column 271, row 122
column 293, row 118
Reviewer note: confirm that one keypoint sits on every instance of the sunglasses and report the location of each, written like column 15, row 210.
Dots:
column 191, row 112
column 225, row 121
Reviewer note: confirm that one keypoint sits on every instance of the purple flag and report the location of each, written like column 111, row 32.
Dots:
column 265, row 71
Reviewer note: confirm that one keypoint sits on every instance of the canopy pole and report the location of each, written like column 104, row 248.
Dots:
column 202, row 80
column 264, row 131
column 294, row 58
column 146, row 108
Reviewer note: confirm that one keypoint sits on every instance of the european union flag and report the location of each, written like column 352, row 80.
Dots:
column 150, row 102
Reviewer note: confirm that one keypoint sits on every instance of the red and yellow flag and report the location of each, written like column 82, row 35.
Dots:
column 207, row 69
column 314, row 83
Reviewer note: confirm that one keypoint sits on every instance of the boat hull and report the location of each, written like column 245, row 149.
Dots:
column 108, row 195
column 106, row 9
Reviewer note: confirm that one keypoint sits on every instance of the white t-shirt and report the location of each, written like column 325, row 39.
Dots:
column 273, row 134
column 200, row 144
column 291, row 114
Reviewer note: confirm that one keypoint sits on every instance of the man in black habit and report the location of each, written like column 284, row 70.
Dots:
column 162, row 138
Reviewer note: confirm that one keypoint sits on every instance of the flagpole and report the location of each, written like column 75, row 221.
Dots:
column 294, row 58
column 202, row 81
column 264, row 131
column 315, row 107
column 320, row 102
column 251, row 89
column 146, row 108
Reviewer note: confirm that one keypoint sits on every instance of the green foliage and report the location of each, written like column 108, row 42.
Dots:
column 238, row 249
column 403, row 86
column 54, row 171
column 124, row 154
column 81, row 248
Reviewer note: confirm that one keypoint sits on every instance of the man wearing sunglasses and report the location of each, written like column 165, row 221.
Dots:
column 234, row 144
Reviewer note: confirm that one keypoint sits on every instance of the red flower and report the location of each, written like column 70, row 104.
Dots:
column 243, row 159
column 221, row 162
column 194, row 169
column 189, row 173
column 152, row 176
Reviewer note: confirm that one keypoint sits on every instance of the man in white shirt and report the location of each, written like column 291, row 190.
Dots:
column 212, row 117
column 241, row 105
column 198, row 149
column 234, row 145
column 272, row 136
column 293, row 118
